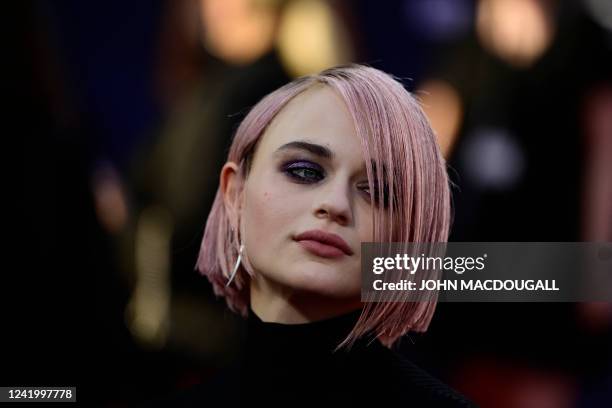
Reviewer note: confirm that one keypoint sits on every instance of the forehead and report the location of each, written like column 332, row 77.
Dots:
column 317, row 115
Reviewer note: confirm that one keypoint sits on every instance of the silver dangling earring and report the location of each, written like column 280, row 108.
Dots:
column 236, row 266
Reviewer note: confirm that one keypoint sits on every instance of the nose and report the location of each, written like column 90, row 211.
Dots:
column 334, row 203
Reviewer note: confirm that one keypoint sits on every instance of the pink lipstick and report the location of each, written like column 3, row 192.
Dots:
column 324, row 244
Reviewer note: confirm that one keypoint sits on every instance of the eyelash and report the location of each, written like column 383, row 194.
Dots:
column 292, row 168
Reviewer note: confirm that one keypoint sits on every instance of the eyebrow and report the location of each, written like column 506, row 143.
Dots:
column 313, row 148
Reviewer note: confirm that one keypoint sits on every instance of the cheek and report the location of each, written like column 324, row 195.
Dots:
column 267, row 220
column 364, row 224
column 257, row 213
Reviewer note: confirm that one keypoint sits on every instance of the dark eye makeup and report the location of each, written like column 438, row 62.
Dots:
column 303, row 171
column 308, row 172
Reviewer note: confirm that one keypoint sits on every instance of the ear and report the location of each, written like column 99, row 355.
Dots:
column 231, row 188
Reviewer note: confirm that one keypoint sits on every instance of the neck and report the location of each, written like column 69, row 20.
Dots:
column 276, row 303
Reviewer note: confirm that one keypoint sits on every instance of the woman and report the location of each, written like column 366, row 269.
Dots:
column 318, row 166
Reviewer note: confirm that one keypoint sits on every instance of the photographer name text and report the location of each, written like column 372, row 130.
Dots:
column 471, row 285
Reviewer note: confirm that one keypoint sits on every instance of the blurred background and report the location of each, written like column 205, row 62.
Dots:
column 118, row 118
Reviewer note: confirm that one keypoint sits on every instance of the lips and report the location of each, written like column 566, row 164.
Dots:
column 324, row 244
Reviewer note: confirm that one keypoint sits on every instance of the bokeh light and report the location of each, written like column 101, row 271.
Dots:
column 312, row 38
column 600, row 11
column 443, row 107
column 439, row 20
column 493, row 159
column 148, row 311
column 517, row 31
column 110, row 199
column 238, row 31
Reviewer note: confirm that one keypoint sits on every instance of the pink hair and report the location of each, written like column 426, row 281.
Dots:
column 398, row 141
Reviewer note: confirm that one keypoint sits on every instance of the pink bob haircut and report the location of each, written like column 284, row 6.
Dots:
column 396, row 137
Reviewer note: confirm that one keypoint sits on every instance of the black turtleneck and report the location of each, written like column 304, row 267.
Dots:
column 291, row 364
column 299, row 361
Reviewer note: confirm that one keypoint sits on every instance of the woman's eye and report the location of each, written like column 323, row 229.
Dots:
column 304, row 172
column 366, row 191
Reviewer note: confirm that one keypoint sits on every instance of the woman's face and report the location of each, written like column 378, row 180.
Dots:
column 308, row 186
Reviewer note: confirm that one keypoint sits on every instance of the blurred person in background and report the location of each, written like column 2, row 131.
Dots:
column 216, row 60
